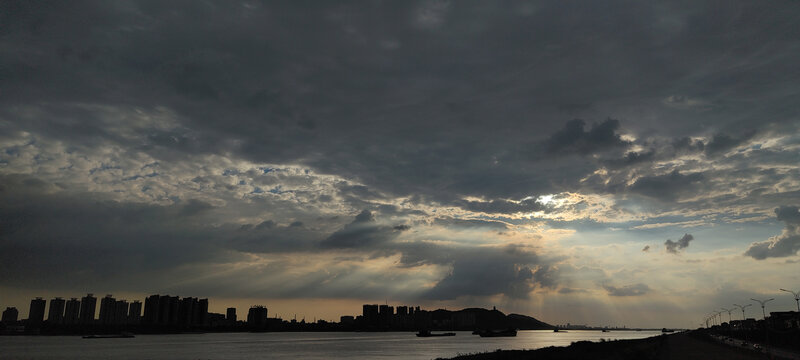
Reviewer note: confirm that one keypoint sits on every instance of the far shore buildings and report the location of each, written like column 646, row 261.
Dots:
column 88, row 306
column 10, row 315
column 257, row 317
column 56, row 313
column 71, row 311
column 165, row 310
column 36, row 313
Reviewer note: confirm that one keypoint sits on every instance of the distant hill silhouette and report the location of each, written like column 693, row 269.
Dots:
column 477, row 318
column 524, row 322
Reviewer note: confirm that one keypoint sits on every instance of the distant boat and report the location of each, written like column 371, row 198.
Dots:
column 427, row 333
column 110, row 336
column 665, row 330
column 556, row 330
column 497, row 333
column 606, row 330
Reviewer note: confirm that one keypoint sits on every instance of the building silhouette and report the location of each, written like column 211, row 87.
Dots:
column 10, row 315
column 370, row 314
column 135, row 312
column 88, row 306
column 186, row 310
column 257, row 317
column 165, row 310
column 230, row 315
column 36, row 313
column 201, row 313
column 108, row 307
column 385, row 315
column 55, row 314
column 120, row 312
column 151, row 307
column 71, row 311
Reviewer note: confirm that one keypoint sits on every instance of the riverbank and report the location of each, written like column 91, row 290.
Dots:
column 688, row 345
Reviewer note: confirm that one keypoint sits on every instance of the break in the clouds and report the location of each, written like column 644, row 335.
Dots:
column 446, row 153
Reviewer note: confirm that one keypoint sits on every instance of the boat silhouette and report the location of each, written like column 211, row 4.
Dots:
column 428, row 333
column 110, row 336
column 497, row 333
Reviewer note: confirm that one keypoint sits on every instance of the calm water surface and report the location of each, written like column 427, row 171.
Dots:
column 348, row 345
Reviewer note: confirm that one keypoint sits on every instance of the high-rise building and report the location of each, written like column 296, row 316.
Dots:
column 135, row 312
column 108, row 308
column 10, row 315
column 168, row 310
column 257, row 317
column 187, row 311
column 201, row 313
column 386, row 314
column 36, row 313
column 120, row 312
column 230, row 315
column 88, row 307
column 151, row 307
column 56, row 313
column 71, row 311
column 370, row 313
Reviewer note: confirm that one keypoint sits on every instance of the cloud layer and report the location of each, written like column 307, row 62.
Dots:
column 444, row 152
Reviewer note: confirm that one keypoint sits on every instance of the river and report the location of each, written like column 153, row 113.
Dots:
column 308, row 345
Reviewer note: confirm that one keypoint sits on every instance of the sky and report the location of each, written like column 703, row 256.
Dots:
column 607, row 163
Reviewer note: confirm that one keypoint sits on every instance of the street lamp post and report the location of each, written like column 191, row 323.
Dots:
column 796, row 297
column 742, row 307
column 729, row 314
column 718, row 314
column 763, row 306
column 764, row 312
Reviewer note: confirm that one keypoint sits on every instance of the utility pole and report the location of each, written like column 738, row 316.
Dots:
column 796, row 297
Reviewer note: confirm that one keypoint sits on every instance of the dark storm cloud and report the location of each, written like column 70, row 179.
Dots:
column 63, row 241
column 510, row 271
column 686, row 144
column 628, row 290
column 502, row 206
column 573, row 138
column 363, row 232
column 723, row 142
column 269, row 237
column 470, row 223
column 402, row 107
column 667, row 186
column 785, row 244
column 673, row 247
